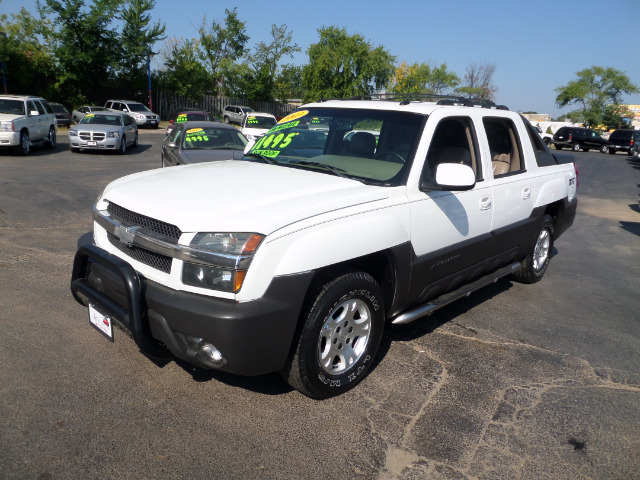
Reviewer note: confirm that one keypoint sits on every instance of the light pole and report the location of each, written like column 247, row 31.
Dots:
column 149, row 55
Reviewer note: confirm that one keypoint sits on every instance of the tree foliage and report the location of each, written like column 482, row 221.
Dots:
column 595, row 89
column 422, row 78
column 136, row 41
column 182, row 71
column 343, row 66
column 221, row 45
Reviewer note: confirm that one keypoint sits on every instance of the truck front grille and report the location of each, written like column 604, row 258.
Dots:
column 149, row 226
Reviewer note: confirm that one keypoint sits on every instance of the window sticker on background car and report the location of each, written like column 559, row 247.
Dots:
column 294, row 116
column 196, row 135
column 273, row 142
column 181, row 118
column 252, row 120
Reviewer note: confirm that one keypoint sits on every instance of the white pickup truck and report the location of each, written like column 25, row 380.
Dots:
column 346, row 215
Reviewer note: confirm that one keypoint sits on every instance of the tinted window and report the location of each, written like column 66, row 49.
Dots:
column 543, row 155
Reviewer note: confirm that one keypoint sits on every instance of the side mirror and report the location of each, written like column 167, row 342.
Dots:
column 171, row 145
column 171, row 121
column 450, row 177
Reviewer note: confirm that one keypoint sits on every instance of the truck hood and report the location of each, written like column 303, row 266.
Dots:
column 237, row 196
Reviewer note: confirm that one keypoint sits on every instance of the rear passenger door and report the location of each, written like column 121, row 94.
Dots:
column 35, row 123
column 507, row 145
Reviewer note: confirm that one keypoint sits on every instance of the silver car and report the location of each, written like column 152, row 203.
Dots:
column 78, row 113
column 104, row 131
column 235, row 113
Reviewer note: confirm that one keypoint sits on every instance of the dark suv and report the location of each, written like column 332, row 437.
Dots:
column 578, row 138
column 623, row 140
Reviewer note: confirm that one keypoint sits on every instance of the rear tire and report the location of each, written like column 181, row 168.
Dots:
column 576, row 147
column 338, row 336
column 604, row 149
column 535, row 264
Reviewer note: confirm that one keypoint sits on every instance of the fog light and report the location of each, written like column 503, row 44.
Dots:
column 211, row 353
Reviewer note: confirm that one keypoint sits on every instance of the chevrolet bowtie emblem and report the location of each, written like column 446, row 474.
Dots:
column 126, row 234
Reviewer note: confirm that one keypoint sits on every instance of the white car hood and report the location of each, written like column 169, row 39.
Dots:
column 237, row 196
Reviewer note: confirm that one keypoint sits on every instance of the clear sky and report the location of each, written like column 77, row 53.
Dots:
column 537, row 46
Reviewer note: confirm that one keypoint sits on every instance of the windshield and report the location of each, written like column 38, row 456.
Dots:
column 211, row 138
column 373, row 146
column 191, row 117
column 93, row 119
column 13, row 107
column 137, row 107
column 254, row 121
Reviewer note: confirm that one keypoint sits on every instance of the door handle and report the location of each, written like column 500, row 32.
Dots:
column 526, row 193
column 485, row 203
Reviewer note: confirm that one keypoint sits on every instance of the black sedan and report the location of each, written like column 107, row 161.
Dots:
column 196, row 142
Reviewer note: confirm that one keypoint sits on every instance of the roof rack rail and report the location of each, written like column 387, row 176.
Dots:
column 407, row 98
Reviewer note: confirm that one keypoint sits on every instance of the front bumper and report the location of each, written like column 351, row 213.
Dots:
column 9, row 139
column 110, row 143
column 253, row 337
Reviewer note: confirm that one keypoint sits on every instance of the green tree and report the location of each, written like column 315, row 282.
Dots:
column 343, row 66
column 137, row 40
column 221, row 45
column 289, row 83
column 266, row 60
column 85, row 46
column 422, row 79
column 594, row 89
column 26, row 55
column 182, row 71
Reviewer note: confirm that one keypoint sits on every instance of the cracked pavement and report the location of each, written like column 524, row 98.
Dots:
column 514, row 382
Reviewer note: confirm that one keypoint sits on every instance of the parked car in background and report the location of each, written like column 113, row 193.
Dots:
column 26, row 120
column 63, row 117
column 136, row 110
column 578, row 138
column 78, row 113
column 546, row 137
column 113, row 131
column 623, row 141
column 256, row 124
column 189, row 115
column 235, row 113
column 196, row 142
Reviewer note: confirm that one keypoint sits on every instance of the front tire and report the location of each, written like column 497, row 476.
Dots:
column 338, row 337
column 604, row 149
column 51, row 139
column 123, row 146
column 576, row 147
column 24, row 147
column 535, row 264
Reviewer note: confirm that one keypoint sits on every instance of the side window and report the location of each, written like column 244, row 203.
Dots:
column 506, row 156
column 454, row 141
column 46, row 106
column 174, row 135
column 31, row 107
column 40, row 108
column 544, row 157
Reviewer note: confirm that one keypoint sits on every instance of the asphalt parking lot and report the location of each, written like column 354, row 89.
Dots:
column 516, row 381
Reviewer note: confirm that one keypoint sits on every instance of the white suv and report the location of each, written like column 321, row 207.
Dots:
column 25, row 120
column 136, row 110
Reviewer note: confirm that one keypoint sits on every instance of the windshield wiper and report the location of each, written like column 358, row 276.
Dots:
column 340, row 172
column 268, row 160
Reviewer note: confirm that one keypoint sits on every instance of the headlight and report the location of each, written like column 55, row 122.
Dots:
column 140, row 116
column 73, row 132
column 113, row 134
column 7, row 127
column 235, row 249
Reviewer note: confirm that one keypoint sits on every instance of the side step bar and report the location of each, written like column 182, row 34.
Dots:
column 464, row 291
